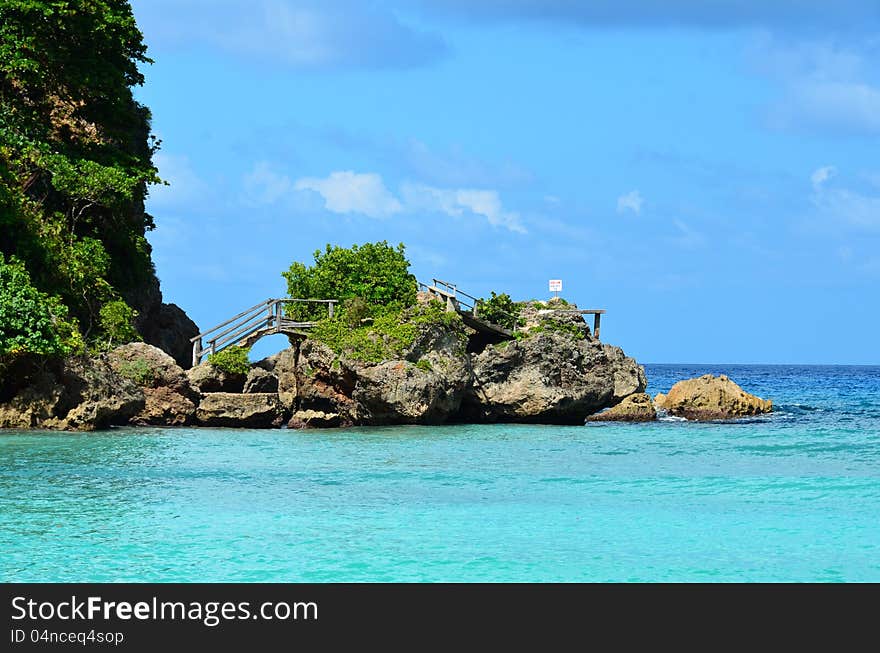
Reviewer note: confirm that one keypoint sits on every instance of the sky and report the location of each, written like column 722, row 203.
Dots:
column 707, row 172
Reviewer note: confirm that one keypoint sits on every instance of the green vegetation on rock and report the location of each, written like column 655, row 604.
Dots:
column 140, row 371
column 75, row 163
column 388, row 337
column 233, row 360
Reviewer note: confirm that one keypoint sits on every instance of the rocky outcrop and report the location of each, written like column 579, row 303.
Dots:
column 711, row 397
column 210, row 378
column 634, row 408
column 77, row 394
column 241, row 410
column 260, row 380
column 170, row 329
column 425, row 386
column 169, row 398
column 165, row 326
column 549, row 378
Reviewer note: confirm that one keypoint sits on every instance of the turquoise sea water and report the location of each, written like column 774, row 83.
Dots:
column 790, row 497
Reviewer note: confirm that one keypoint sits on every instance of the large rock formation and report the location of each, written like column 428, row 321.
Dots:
column 549, row 378
column 77, row 394
column 711, row 397
column 170, row 400
column 635, row 408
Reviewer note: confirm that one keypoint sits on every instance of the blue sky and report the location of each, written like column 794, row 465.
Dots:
column 709, row 173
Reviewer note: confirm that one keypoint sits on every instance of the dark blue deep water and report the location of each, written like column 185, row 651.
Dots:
column 794, row 496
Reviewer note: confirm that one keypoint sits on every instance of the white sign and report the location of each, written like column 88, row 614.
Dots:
column 555, row 285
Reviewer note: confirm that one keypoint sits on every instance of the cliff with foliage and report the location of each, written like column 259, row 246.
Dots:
column 76, row 273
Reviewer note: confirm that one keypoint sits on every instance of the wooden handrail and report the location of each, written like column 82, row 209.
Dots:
column 265, row 316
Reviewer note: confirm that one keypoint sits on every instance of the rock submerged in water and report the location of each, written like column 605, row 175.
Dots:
column 709, row 398
column 634, row 408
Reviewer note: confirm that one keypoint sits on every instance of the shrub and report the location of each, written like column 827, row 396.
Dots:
column 425, row 365
column 117, row 321
column 500, row 310
column 377, row 273
column 32, row 322
column 233, row 360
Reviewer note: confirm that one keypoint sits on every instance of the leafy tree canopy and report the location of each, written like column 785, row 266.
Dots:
column 377, row 273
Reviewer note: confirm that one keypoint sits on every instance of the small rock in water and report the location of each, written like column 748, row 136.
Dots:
column 711, row 397
column 634, row 408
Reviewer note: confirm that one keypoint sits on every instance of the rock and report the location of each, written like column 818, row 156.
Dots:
column 284, row 369
column 149, row 366
column 100, row 397
column 260, row 381
column 634, row 408
column 425, row 386
column 549, row 378
column 77, row 394
column 307, row 419
column 210, row 378
column 34, row 398
column 170, row 400
column 320, row 381
column 659, row 401
column 165, row 407
column 240, row 410
column 711, row 397
column 169, row 328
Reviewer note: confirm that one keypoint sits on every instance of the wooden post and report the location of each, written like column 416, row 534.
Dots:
column 596, row 325
column 278, row 317
column 330, row 308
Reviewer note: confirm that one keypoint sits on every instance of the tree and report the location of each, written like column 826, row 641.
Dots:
column 375, row 272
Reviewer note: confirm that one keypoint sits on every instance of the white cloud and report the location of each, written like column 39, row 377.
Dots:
column 265, row 186
column 460, row 201
column 821, row 86
column 350, row 192
column 846, row 207
column 821, row 175
column 631, row 201
column 840, row 207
